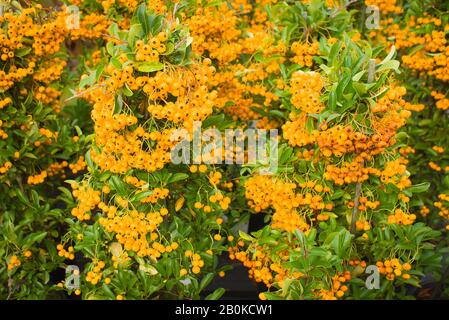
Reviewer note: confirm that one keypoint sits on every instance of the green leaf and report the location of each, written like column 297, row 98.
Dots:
column 22, row 52
column 22, row 197
column 89, row 161
column 419, row 188
column 178, row 177
column 206, row 280
column 216, row 294
column 110, row 48
column 245, row 236
column 135, row 32
column 358, row 76
column 118, row 104
column 114, row 30
column 89, row 80
column 127, row 91
column 334, row 50
column 118, row 185
column 108, row 291
column 360, row 88
column 389, row 56
column 392, row 64
column 142, row 16
column 33, row 238
column 142, row 195
column 149, row 66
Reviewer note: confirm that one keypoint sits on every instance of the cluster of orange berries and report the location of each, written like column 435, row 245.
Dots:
column 307, row 154
column 357, row 262
column 68, row 254
column 222, row 201
column 3, row 134
column 304, row 53
column 295, row 132
column 424, row 211
column 405, row 151
column 37, row 179
column 5, row 102
column 415, row 32
column 158, row 6
column 94, row 276
column 260, row 265
column 215, row 177
column 314, row 186
column 205, row 208
column 214, row 30
column 131, row 229
column 436, row 167
column 196, row 262
column 257, row 270
column 50, row 70
column 442, row 102
column 438, row 149
column 95, row 58
column 349, row 172
column 385, row 6
column 14, row 262
column 339, row 140
column 14, row 74
column 5, row 167
column 400, row 217
column 202, row 168
column 395, row 172
column 365, row 204
column 18, row 27
column 49, row 36
column 91, row 26
column 443, row 209
column 150, row 52
column 87, row 198
column 393, row 269
column 217, row 34
column 121, row 151
column 306, row 88
column 47, row 95
column 80, row 165
column 231, row 89
column 48, row 133
column 158, row 194
column 187, row 108
column 118, row 78
column 134, row 181
column 362, row 225
column 290, row 208
column 129, row 4
column 338, row 287
column 56, row 168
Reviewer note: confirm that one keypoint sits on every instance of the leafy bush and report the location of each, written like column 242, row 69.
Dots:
column 91, row 111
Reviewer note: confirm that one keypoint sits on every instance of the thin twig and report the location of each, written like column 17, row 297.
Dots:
column 355, row 209
column 358, row 187
column 115, row 38
column 342, row 7
column 84, row 92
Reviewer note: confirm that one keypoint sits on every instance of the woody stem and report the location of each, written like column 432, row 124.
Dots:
column 358, row 187
column 355, row 210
